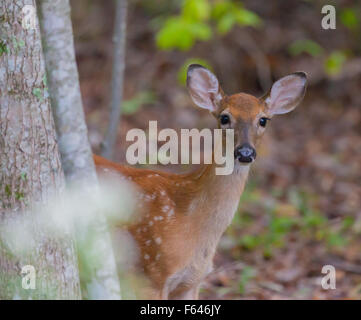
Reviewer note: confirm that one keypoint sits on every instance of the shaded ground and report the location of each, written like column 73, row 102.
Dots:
column 301, row 208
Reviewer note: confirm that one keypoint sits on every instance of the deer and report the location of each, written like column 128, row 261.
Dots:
column 186, row 214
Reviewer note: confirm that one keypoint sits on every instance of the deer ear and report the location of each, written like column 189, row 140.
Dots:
column 203, row 87
column 286, row 93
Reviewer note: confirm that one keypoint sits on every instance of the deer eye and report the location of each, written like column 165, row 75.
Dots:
column 225, row 119
column 263, row 121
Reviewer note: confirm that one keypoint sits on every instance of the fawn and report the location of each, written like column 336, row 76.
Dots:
column 186, row 214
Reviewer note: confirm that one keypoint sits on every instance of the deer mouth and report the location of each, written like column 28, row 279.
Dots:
column 246, row 159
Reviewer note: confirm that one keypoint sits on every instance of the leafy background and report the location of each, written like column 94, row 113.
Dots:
column 301, row 208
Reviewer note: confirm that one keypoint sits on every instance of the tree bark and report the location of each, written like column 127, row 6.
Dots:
column 30, row 168
column 119, row 39
column 76, row 155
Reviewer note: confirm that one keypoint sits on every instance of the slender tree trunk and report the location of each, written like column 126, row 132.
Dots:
column 119, row 39
column 30, row 168
column 76, row 155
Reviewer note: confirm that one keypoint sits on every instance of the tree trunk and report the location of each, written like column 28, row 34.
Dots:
column 30, row 168
column 100, row 281
column 119, row 39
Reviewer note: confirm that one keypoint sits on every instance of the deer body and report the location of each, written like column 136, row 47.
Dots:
column 176, row 240
column 182, row 217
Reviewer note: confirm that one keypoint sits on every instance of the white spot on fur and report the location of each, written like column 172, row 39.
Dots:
column 158, row 240
column 146, row 256
column 148, row 242
column 170, row 212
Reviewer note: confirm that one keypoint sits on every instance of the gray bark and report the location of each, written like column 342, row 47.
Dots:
column 30, row 168
column 100, row 280
column 119, row 39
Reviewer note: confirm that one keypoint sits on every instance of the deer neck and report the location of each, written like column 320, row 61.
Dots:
column 217, row 197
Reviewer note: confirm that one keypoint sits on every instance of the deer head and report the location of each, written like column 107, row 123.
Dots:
column 245, row 114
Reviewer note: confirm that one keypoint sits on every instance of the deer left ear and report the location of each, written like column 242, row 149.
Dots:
column 203, row 87
column 286, row 93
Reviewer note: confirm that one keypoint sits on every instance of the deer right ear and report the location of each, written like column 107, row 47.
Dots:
column 203, row 87
column 286, row 93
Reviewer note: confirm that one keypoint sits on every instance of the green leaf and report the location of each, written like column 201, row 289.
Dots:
column 18, row 44
column 334, row 63
column 182, row 73
column 45, row 80
column 181, row 34
column 175, row 34
column 247, row 18
column 308, row 46
column 133, row 105
column 348, row 222
column 336, row 240
column 250, row 242
column 37, row 93
column 227, row 14
column 247, row 274
column 3, row 48
column 19, row 195
column 23, row 176
column 8, row 190
column 281, row 225
column 226, row 23
column 349, row 18
column 221, row 8
column 314, row 219
column 196, row 10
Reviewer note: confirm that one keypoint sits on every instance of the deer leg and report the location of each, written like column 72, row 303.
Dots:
column 186, row 293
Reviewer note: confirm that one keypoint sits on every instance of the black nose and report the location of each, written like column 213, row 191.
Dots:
column 245, row 153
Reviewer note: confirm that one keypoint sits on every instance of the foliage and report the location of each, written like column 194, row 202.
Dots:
column 37, row 93
column 196, row 19
column 133, row 105
column 334, row 62
column 305, row 46
column 226, row 14
column 182, row 31
column 350, row 18
column 3, row 48
column 195, row 23
column 296, row 215
column 247, row 274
